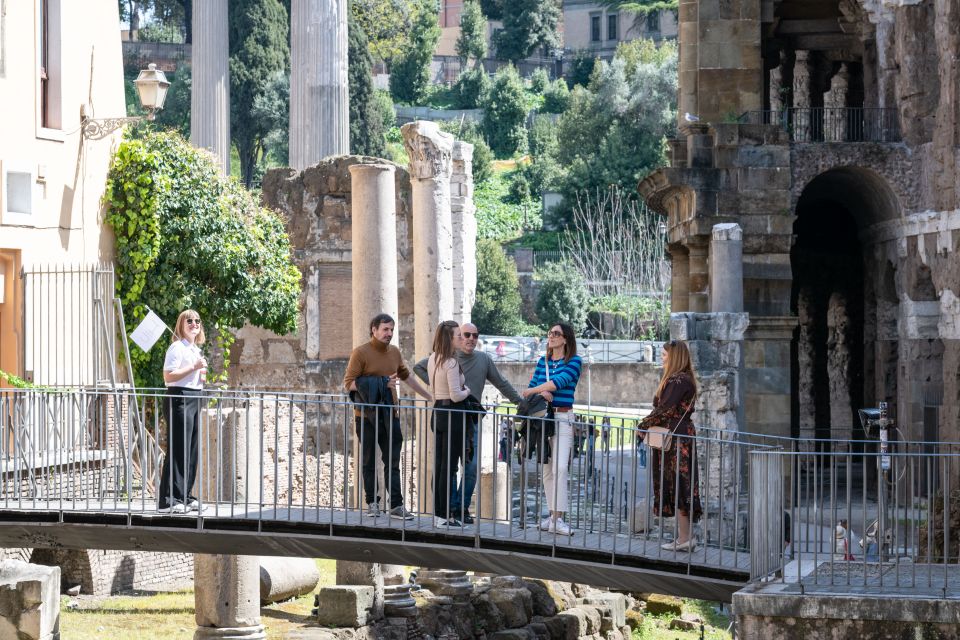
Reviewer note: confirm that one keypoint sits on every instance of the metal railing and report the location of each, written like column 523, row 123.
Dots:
column 520, row 349
column 832, row 124
column 863, row 520
column 298, row 457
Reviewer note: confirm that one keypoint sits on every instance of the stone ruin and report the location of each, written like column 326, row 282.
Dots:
column 830, row 133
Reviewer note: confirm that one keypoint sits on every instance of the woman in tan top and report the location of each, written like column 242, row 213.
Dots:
column 449, row 420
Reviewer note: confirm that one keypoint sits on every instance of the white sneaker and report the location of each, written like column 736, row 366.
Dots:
column 179, row 507
column 546, row 524
column 561, row 527
column 193, row 505
column 446, row 522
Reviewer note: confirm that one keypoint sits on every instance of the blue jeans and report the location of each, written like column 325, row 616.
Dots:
column 468, row 481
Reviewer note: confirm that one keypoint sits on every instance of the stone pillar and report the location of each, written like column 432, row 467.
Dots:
column 494, row 496
column 364, row 574
column 688, row 38
column 430, row 151
column 699, row 275
column 319, row 92
column 801, row 97
column 210, row 95
column 464, row 222
column 726, row 268
column 227, row 597
column 806, row 356
column 775, row 91
column 373, row 245
column 834, row 107
column 679, row 278
column 838, row 367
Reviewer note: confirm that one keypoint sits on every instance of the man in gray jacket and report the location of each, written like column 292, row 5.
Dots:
column 478, row 368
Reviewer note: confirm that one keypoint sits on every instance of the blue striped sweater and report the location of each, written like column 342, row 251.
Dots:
column 565, row 375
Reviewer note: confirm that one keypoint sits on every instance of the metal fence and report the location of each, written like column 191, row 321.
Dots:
column 829, row 124
column 299, row 458
column 528, row 349
column 68, row 324
column 860, row 519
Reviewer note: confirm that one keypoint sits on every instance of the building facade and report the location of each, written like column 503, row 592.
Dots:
column 591, row 26
column 830, row 132
column 56, row 58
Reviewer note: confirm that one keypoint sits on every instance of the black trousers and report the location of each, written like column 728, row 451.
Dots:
column 449, row 428
column 181, row 407
column 373, row 434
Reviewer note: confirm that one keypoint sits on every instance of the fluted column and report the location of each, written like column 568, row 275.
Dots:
column 464, row 220
column 801, row 97
column 374, row 245
column 430, row 151
column 210, row 93
column 319, row 93
column 834, row 107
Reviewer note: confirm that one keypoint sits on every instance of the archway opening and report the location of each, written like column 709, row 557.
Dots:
column 832, row 349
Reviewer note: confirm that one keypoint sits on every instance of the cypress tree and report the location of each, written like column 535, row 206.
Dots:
column 366, row 123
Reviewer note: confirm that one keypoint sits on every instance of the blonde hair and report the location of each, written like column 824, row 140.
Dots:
column 443, row 343
column 179, row 330
column 679, row 362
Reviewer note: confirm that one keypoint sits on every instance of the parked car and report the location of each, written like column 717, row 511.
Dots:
column 503, row 349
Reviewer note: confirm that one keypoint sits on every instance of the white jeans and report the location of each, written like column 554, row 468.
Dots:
column 556, row 472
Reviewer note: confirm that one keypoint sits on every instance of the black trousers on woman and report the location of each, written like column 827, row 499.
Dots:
column 449, row 427
column 181, row 406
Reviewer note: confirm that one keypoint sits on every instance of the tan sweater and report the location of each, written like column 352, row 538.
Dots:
column 375, row 359
column 446, row 381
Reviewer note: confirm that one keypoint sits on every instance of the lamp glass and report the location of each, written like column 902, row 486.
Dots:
column 152, row 88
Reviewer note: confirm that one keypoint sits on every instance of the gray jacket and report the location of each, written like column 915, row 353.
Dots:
column 478, row 369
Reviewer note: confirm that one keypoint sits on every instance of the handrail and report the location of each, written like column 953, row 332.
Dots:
column 831, row 124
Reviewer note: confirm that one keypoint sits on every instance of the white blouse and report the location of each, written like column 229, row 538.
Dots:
column 446, row 381
column 182, row 354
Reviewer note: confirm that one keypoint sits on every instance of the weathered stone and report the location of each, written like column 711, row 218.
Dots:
column 227, row 596
column 283, row 578
column 512, row 634
column 686, row 623
column 543, row 602
column 560, row 628
column 515, row 605
column 658, row 605
column 576, row 622
column 508, row 582
column 345, row 606
column 538, row 630
column 487, row 613
column 561, row 592
column 29, row 601
column 634, row 619
column 612, row 605
column 446, row 582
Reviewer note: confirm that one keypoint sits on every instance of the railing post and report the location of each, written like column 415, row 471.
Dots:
column 766, row 513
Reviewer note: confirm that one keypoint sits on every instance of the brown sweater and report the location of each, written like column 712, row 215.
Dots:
column 375, row 359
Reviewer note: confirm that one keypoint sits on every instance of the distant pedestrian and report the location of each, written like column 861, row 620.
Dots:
column 184, row 372
column 605, row 433
column 504, row 440
column 372, row 379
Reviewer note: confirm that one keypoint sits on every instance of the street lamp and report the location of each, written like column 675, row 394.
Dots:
column 152, row 88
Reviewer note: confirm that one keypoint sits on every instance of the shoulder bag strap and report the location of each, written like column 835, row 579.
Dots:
column 693, row 401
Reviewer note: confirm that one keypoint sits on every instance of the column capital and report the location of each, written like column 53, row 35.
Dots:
column 430, row 150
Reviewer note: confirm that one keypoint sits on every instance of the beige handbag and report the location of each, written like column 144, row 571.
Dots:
column 661, row 438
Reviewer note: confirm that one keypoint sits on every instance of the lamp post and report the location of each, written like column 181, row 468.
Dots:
column 152, row 88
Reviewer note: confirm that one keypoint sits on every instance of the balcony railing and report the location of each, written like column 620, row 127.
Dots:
column 829, row 124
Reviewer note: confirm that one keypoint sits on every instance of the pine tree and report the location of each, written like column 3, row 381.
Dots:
column 528, row 24
column 366, row 123
column 259, row 49
column 472, row 42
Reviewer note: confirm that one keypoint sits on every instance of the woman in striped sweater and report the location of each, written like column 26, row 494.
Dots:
column 556, row 378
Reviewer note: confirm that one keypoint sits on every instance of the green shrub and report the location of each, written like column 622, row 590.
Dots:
column 468, row 131
column 542, row 137
column 539, row 80
column 186, row 237
column 563, row 296
column 410, row 70
column 557, row 97
column 498, row 215
column 519, row 187
column 497, row 309
column 581, row 68
column 384, row 104
column 471, row 88
column 505, row 113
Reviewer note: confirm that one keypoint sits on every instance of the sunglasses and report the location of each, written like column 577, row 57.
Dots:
column 554, row 334
column 468, row 334
column 195, row 321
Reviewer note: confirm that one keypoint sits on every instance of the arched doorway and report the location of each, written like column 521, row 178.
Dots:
column 836, row 344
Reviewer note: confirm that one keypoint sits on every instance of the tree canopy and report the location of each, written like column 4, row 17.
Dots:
column 366, row 123
column 528, row 24
column 186, row 237
column 472, row 42
column 410, row 70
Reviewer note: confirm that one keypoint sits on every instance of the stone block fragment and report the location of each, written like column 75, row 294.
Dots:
column 515, row 605
column 284, row 578
column 29, row 601
column 610, row 605
column 543, row 602
column 345, row 606
column 576, row 622
column 658, row 604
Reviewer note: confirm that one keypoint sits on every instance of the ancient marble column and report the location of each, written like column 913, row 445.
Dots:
column 834, row 107
column 679, row 278
column 775, row 92
column 430, row 151
column 726, row 268
column 319, row 93
column 210, row 95
column 838, row 367
column 806, row 361
column 227, row 597
column 464, row 222
column 373, row 245
column 801, row 97
column 699, row 274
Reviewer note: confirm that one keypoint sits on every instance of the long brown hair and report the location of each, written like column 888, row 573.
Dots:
column 679, row 362
column 443, row 343
column 570, row 342
column 179, row 331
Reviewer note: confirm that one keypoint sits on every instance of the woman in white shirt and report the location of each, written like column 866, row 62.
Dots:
column 449, row 420
column 184, row 371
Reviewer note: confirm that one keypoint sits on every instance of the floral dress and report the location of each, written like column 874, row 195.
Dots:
column 673, row 409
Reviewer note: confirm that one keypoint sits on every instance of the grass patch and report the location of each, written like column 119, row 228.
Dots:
column 715, row 624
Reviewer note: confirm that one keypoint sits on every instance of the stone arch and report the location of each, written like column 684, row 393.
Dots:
column 835, row 341
column 76, row 567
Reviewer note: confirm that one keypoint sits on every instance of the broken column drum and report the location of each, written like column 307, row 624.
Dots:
column 227, row 597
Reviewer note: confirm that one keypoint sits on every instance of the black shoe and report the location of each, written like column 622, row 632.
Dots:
column 467, row 518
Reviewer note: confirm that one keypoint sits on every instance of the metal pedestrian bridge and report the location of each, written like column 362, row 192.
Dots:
column 277, row 474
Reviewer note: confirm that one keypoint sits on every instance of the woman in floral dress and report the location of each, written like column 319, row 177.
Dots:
column 676, row 494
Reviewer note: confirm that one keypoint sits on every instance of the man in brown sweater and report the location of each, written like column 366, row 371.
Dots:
column 379, row 359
